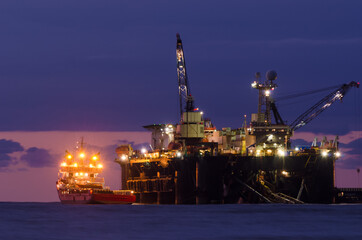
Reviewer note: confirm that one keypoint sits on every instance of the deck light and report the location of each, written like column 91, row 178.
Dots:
column 64, row 164
column 99, row 165
column 281, row 152
column 82, row 155
column 94, row 157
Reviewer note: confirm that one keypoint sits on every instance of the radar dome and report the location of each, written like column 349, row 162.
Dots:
column 271, row 75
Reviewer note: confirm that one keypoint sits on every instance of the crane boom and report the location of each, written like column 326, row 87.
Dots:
column 186, row 101
column 322, row 105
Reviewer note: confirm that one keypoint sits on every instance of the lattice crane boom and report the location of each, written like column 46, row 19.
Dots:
column 322, row 105
column 186, row 101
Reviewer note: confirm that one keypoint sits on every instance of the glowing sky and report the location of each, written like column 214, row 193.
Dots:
column 108, row 67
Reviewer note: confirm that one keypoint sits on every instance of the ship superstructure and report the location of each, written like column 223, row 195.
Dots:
column 80, row 170
column 193, row 162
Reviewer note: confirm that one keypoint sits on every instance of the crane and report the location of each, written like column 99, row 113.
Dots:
column 322, row 105
column 186, row 100
column 191, row 120
column 262, row 125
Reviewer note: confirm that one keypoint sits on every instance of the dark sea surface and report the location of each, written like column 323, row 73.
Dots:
column 57, row 221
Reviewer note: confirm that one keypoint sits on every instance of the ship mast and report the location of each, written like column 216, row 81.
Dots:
column 265, row 99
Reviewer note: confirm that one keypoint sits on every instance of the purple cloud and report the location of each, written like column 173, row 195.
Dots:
column 108, row 153
column 5, row 160
column 135, row 146
column 7, row 147
column 351, row 158
column 38, row 157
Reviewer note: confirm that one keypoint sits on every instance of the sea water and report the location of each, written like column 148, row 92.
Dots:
column 273, row 221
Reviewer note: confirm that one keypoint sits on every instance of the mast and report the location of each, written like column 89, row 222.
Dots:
column 265, row 99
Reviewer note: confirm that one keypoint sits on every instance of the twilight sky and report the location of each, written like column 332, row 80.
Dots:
column 109, row 66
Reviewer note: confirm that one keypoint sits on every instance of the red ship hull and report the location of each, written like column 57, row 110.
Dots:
column 106, row 198
column 89, row 197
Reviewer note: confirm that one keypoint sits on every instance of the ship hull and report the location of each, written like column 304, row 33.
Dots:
column 105, row 198
column 75, row 197
column 87, row 197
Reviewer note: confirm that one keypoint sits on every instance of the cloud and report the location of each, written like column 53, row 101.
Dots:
column 349, row 162
column 345, row 139
column 5, row 160
column 300, row 142
column 108, row 153
column 353, row 147
column 7, row 147
column 38, row 158
column 351, row 137
column 133, row 144
column 352, row 155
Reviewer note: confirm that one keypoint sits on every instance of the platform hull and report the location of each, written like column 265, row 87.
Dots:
column 228, row 179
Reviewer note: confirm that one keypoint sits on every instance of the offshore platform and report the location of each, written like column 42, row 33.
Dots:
column 192, row 162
